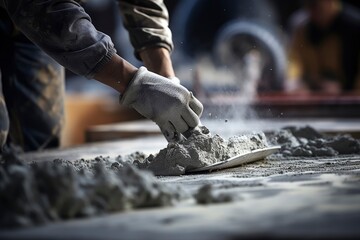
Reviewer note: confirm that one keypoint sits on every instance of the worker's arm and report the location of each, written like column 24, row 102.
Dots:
column 65, row 32
column 158, row 60
column 147, row 23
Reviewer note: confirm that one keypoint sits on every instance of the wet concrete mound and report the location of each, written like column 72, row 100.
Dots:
column 199, row 150
column 307, row 142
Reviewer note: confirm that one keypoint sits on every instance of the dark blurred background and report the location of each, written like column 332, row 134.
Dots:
column 212, row 35
column 258, row 54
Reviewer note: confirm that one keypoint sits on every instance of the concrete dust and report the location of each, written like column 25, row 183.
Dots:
column 307, row 142
column 199, row 150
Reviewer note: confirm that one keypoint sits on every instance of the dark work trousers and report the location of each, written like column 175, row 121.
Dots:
column 31, row 92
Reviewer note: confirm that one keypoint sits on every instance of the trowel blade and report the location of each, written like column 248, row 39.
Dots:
column 238, row 160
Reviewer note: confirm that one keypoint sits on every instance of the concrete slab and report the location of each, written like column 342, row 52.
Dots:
column 298, row 198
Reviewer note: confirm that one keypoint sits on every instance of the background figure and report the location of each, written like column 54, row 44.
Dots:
column 31, row 91
column 324, row 54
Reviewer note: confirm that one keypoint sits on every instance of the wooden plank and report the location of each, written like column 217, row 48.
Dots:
column 225, row 128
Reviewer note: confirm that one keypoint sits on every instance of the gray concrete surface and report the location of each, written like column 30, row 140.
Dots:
column 298, row 198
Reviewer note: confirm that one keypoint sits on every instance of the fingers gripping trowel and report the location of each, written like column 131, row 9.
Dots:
column 235, row 161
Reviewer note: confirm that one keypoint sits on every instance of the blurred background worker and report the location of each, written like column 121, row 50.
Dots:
column 324, row 54
column 242, row 45
column 33, row 33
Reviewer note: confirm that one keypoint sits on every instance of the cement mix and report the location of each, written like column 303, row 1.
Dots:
column 207, row 195
column 199, row 150
column 307, row 142
column 38, row 193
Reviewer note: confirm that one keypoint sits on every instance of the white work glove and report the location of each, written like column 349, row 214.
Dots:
column 175, row 80
column 171, row 106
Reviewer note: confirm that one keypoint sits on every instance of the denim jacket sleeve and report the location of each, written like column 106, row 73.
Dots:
column 64, row 31
column 147, row 23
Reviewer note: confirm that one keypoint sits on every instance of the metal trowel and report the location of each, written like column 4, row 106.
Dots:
column 238, row 160
column 235, row 161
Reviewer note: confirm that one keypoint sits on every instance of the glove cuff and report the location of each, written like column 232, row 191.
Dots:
column 129, row 96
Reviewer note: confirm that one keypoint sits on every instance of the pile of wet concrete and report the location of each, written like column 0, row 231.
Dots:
column 307, row 142
column 199, row 150
column 37, row 193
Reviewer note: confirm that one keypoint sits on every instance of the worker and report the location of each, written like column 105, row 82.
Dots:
column 324, row 53
column 37, row 35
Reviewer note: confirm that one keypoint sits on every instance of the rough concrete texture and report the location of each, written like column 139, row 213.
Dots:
column 50, row 191
column 307, row 142
column 37, row 193
column 207, row 195
column 316, row 198
column 199, row 150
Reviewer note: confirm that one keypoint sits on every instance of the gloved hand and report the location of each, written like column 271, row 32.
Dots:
column 171, row 106
column 175, row 80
